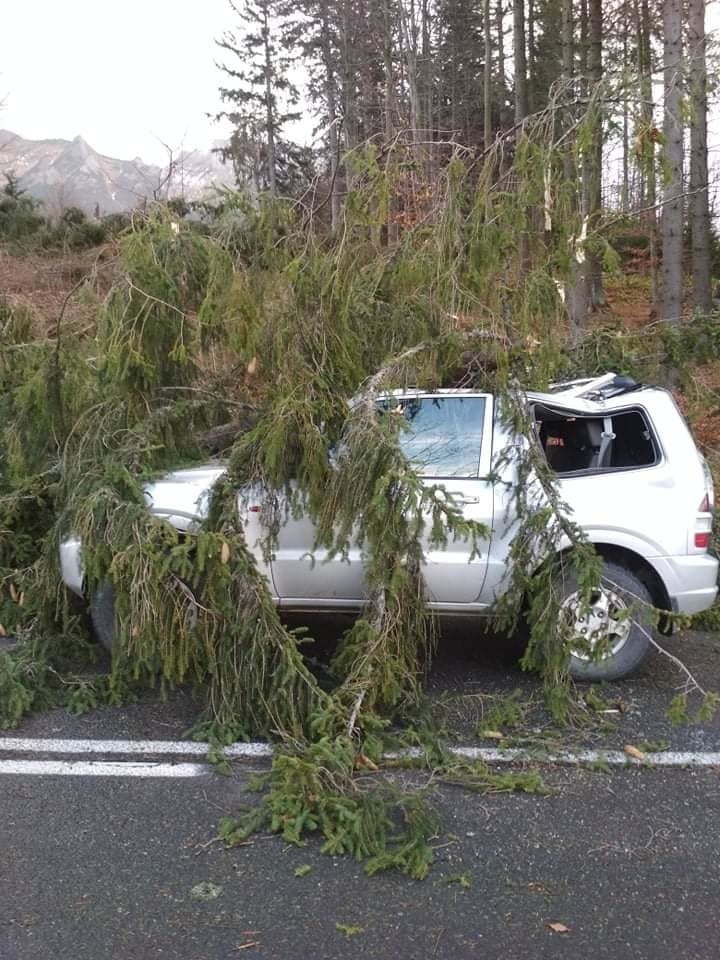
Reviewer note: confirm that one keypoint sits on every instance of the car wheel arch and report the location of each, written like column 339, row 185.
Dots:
column 635, row 563
column 641, row 567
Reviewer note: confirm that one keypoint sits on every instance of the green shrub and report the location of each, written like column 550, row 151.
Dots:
column 73, row 231
column 20, row 220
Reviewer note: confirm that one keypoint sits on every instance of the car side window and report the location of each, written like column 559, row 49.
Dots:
column 621, row 440
column 442, row 436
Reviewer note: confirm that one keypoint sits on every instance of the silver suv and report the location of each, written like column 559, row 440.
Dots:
column 627, row 467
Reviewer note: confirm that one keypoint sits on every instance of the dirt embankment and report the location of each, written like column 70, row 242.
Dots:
column 43, row 283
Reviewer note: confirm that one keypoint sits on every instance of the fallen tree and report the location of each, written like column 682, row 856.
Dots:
column 250, row 339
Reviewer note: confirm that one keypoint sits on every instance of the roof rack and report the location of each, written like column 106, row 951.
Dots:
column 595, row 388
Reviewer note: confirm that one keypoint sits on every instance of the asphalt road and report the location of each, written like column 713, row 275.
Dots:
column 121, row 869
column 628, row 862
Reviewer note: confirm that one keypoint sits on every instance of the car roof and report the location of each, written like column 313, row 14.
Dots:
column 591, row 395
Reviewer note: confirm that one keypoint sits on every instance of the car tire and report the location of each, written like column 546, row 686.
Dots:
column 102, row 615
column 630, row 637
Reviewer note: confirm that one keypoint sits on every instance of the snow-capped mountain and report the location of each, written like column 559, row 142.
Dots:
column 63, row 173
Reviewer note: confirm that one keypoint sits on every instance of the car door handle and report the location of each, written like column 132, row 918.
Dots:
column 461, row 498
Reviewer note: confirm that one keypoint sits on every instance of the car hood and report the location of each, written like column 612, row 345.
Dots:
column 182, row 497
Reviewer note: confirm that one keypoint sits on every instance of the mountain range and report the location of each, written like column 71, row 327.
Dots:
column 64, row 173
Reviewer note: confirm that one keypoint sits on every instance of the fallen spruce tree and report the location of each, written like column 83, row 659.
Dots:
column 248, row 337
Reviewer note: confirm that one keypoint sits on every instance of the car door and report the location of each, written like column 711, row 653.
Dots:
column 449, row 440
column 306, row 575
column 448, row 437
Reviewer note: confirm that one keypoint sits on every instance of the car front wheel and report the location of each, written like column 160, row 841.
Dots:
column 102, row 614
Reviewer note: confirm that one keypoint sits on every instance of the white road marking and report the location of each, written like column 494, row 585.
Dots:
column 149, row 748
column 256, row 750
column 614, row 758
column 99, row 768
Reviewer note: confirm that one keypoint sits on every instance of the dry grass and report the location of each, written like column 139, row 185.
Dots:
column 43, row 281
column 628, row 300
column 701, row 405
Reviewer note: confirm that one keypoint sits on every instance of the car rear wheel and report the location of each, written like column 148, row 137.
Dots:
column 612, row 635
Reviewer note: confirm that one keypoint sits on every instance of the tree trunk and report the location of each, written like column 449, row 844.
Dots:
column 568, row 43
column 426, row 73
column 364, row 42
column 593, row 168
column 576, row 302
column 502, row 90
column 532, row 93
column 567, row 51
column 487, row 78
column 699, row 208
column 408, row 41
column 390, row 106
column 625, row 187
column 269, row 106
column 521, row 111
column 648, row 191
column 672, row 217
column 349, row 91
column 499, row 27
column 520, row 60
column 331, row 103
column 390, row 109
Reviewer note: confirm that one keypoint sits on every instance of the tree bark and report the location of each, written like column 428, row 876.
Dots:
column 530, row 19
column 487, row 78
column 331, row 103
column 648, row 187
column 390, row 105
column 625, row 187
column 568, row 42
column 699, row 205
column 521, row 111
column 593, row 168
column 269, row 105
column 520, row 61
column 426, row 73
column 349, row 86
column 672, row 216
column 390, row 108
column 499, row 27
column 502, row 90
column 408, row 44
column 576, row 301
column 567, row 52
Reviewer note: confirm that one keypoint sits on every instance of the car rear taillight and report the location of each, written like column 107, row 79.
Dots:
column 703, row 522
column 708, row 502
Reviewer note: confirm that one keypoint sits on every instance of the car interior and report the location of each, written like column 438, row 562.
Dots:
column 586, row 444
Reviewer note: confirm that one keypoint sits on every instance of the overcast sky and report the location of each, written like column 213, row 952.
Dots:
column 125, row 74
column 122, row 73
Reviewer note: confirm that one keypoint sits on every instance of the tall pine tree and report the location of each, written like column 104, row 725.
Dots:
column 259, row 95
